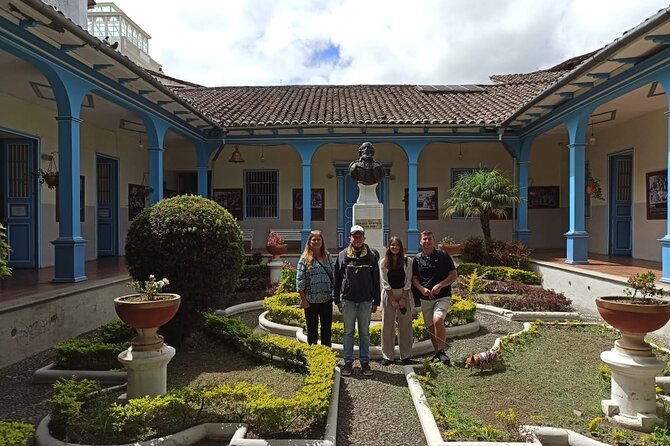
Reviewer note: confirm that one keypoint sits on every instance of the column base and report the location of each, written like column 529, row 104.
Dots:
column 523, row 236
column 70, row 256
column 577, row 247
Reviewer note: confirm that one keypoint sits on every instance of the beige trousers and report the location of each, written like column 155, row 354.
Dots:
column 389, row 317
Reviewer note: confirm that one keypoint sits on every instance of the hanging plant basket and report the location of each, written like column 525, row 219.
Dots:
column 51, row 179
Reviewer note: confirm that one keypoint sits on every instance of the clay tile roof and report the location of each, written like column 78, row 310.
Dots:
column 360, row 105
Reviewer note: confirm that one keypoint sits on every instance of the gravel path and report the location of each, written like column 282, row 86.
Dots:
column 379, row 410
column 372, row 411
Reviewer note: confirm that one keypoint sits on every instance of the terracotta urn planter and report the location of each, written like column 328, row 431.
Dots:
column 277, row 250
column 452, row 250
column 634, row 320
column 146, row 316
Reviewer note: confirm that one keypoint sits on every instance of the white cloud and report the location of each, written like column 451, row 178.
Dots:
column 269, row 42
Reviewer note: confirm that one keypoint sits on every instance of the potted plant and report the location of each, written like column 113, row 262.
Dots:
column 275, row 244
column 50, row 177
column 636, row 314
column 593, row 185
column 147, row 310
column 449, row 245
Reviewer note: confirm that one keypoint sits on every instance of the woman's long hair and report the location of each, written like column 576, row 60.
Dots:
column 391, row 261
column 307, row 253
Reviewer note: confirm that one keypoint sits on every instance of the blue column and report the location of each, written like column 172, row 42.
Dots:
column 522, row 232
column 69, row 247
column 577, row 239
column 203, row 150
column 665, row 240
column 306, row 150
column 412, row 150
column 341, row 174
column 156, row 129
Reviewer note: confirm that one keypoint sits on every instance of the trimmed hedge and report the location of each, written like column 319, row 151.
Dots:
column 500, row 273
column 283, row 309
column 16, row 434
column 96, row 353
column 82, row 417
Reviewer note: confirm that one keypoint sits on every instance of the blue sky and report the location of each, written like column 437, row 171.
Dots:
column 281, row 42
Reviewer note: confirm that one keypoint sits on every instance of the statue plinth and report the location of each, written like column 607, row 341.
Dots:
column 368, row 212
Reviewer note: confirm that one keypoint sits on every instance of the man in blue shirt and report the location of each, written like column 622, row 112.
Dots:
column 433, row 272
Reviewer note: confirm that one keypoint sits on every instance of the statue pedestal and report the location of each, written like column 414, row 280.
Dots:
column 368, row 212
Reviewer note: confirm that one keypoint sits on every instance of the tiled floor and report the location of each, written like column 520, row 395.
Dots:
column 614, row 265
column 36, row 284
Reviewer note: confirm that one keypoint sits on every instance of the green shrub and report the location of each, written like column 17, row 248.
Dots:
column 287, row 279
column 253, row 277
column 4, row 253
column 254, row 259
column 193, row 242
column 15, row 434
column 96, row 353
column 500, row 273
column 87, row 354
column 511, row 254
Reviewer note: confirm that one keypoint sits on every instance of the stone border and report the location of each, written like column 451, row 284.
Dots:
column 541, row 434
column 49, row 375
column 222, row 431
column 528, row 316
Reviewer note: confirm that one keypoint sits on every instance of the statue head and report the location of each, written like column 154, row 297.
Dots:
column 366, row 151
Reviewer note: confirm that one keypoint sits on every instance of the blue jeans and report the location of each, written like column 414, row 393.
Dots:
column 351, row 313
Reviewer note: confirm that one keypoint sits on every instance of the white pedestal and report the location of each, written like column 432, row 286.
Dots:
column 368, row 212
column 276, row 265
column 147, row 371
column 633, row 397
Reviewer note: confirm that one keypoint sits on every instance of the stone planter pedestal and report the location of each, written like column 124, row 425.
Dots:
column 276, row 266
column 633, row 397
column 147, row 371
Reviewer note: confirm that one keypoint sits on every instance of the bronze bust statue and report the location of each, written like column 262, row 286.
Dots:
column 365, row 169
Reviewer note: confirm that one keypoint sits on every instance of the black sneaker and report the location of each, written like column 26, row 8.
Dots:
column 406, row 361
column 436, row 357
column 386, row 362
column 442, row 356
column 346, row 370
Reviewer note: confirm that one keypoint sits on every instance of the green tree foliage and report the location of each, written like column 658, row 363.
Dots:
column 483, row 194
column 5, row 270
column 193, row 242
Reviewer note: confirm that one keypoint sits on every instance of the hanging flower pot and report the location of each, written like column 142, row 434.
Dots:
column 51, row 179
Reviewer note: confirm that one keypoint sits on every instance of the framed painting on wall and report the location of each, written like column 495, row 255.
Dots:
column 657, row 195
column 426, row 203
column 136, row 199
column 318, row 201
column 230, row 199
column 543, row 197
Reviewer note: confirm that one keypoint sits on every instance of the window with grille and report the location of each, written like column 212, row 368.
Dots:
column 261, row 194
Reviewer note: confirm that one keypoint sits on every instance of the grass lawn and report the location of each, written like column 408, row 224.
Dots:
column 550, row 378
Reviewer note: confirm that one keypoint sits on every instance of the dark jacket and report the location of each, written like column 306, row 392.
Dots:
column 356, row 276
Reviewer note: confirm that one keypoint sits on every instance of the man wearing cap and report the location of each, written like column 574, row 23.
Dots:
column 433, row 272
column 356, row 292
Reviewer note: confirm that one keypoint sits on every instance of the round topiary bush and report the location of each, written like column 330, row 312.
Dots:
column 193, row 242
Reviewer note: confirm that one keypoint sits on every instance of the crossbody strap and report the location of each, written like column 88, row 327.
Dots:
column 330, row 276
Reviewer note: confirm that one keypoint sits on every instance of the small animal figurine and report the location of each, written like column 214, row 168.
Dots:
column 485, row 360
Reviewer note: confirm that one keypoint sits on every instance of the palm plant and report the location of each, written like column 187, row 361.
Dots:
column 484, row 194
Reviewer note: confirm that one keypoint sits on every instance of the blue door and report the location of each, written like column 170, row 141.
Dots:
column 620, row 211
column 19, row 201
column 107, row 206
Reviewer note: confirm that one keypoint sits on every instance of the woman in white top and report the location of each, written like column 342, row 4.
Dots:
column 396, row 281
